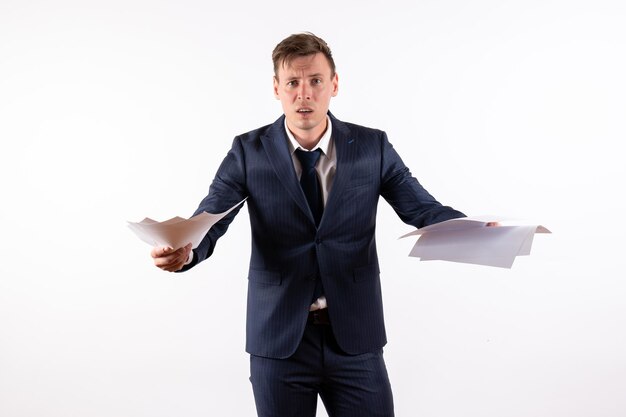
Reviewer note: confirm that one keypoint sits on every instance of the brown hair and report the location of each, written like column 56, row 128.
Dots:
column 298, row 45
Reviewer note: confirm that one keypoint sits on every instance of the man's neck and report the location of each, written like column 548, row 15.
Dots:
column 308, row 139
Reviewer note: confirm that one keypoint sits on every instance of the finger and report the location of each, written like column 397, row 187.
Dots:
column 173, row 261
column 174, row 267
column 170, row 267
column 167, row 260
column 187, row 251
column 159, row 251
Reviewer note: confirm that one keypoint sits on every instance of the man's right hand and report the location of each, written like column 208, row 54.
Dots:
column 169, row 259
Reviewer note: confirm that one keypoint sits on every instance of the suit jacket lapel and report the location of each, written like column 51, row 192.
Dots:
column 345, row 148
column 275, row 145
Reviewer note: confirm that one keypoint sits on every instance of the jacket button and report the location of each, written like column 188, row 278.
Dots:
column 318, row 241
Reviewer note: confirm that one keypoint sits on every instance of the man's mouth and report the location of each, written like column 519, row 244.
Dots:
column 304, row 111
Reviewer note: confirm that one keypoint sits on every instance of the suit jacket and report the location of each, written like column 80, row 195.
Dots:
column 289, row 252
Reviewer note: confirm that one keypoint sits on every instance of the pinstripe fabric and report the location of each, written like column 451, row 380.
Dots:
column 288, row 250
column 349, row 385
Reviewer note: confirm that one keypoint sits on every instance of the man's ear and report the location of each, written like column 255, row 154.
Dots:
column 276, row 87
column 335, row 84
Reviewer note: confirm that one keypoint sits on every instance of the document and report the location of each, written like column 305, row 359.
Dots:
column 470, row 240
column 177, row 231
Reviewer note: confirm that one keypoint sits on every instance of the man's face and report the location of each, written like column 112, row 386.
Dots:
column 304, row 88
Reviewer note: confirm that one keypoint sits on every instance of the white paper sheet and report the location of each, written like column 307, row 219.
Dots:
column 470, row 240
column 177, row 231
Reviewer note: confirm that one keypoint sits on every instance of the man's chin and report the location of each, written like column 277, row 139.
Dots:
column 300, row 124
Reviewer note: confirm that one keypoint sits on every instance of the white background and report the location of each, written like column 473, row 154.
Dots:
column 116, row 110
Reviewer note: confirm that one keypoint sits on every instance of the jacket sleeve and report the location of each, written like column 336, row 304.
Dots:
column 413, row 204
column 227, row 189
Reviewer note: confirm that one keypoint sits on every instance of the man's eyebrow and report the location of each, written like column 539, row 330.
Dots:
column 316, row 75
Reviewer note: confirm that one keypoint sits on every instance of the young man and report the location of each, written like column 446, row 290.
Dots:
column 315, row 316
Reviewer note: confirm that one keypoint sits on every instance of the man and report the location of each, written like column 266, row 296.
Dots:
column 312, row 183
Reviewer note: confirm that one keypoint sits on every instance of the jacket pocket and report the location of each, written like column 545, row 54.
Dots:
column 265, row 277
column 365, row 273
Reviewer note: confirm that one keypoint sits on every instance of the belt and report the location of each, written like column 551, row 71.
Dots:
column 319, row 317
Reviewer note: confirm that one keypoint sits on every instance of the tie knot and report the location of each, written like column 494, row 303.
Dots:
column 308, row 159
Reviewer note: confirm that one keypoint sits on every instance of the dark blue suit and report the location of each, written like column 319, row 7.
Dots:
column 289, row 252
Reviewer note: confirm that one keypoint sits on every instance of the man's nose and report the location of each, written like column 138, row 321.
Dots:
column 304, row 93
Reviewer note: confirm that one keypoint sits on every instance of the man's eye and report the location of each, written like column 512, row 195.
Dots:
column 292, row 83
column 316, row 81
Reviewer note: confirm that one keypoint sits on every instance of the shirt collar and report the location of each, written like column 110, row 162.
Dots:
column 323, row 144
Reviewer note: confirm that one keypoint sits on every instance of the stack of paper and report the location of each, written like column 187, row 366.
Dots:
column 177, row 232
column 471, row 240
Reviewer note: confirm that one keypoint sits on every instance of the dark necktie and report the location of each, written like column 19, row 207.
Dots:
column 309, row 182
column 311, row 187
